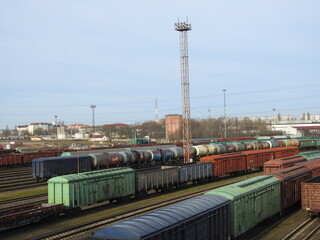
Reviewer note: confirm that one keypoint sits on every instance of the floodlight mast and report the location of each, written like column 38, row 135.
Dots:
column 183, row 28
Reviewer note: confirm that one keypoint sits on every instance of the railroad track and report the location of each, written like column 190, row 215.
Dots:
column 19, row 186
column 11, row 181
column 305, row 231
column 15, row 170
column 91, row 226
column 11, row 203
column 8, row 173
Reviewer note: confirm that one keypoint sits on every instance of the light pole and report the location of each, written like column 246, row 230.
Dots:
column 56, row 124
column 93, row 107
column 225, row 113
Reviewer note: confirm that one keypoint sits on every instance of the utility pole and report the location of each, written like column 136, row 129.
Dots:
column 156, row 109
column 183, row 28
column 93, row 107
column 225, row 113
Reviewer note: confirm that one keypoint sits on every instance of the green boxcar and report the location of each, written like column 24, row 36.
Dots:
column 252, row 201
column 310, row 156
column 307, row 143
column 76, row 190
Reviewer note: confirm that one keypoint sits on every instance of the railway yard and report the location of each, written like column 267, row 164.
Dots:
column 20, row 190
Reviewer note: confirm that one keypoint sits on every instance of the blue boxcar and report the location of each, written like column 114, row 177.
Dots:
column 202, row 217
column 45, row 168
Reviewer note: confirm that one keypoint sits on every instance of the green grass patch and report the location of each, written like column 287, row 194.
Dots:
column 23, row 193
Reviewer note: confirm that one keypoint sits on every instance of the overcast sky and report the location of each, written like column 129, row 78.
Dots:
column 59, row 57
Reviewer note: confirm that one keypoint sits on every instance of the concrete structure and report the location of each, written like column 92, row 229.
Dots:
column 173, row 127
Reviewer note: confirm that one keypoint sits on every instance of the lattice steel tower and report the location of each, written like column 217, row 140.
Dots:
column 183, row 28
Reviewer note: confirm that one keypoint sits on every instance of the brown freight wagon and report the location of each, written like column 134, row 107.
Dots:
column 226, row 163
column 291, row 179
column 282, row 163
column 282, row 152
column 11, row 160
column 256, row 158
column 28, row 157
column 314, row 166
column 28, row 214
column 310, row 196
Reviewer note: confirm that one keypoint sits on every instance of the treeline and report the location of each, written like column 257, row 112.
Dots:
column 200, row 128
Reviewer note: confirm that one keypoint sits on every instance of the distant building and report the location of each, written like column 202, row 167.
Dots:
column 173, row 127
column 116, row 125
column 22, row 128
column 98, row 138
column 296, row 129
column 78, row 126
column 43, row 126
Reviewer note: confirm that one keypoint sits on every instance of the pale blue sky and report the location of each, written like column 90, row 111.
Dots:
column 59, row 57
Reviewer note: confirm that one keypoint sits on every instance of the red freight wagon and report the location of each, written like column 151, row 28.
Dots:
column 27, row 214
column 256, row 158
column 282, row 152
column 223, row 164
column 310, row 196
column 282, row 163
column 28, row 157
column 11, row 160
column 314, row 166
column 291, row 179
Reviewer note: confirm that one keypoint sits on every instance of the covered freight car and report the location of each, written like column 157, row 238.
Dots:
column 256, row 158
column 282, row 163
column 291, row 179
column 314, row 166
column 223, row 164
column 310, row 196
column 202, row 217
column 45, row 168
column 252, row 201
column 76, row 190
column 282, row 152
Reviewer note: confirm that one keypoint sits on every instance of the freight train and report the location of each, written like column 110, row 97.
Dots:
column 68, row 193
column 45, row 168
column 16, row 159
column 221, row 214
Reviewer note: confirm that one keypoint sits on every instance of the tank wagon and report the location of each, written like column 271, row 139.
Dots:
column 202, row 217
column 310, row 192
